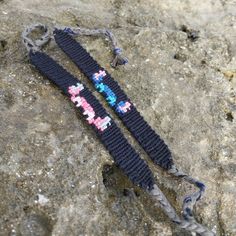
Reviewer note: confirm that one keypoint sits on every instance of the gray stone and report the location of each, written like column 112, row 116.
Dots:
column 57, row 178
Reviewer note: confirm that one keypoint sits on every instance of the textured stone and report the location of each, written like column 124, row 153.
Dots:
column 57, row 178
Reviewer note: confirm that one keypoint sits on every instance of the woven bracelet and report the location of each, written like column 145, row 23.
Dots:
column 107, row 131
column 117, row 99
column 148, row 139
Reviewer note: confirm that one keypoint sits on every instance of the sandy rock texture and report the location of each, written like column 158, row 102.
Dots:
column 56, row 178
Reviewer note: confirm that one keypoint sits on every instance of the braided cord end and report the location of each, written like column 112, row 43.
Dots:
column 190, row 200
column 187, row 224
column 118, row 59
column 35, row 45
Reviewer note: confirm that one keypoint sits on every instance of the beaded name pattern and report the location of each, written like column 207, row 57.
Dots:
column 122, row 106
column 100, row 123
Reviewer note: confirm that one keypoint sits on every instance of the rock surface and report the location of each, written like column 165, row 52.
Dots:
column 57, row 178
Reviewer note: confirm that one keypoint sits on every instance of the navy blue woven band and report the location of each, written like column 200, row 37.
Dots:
column 123, row 153
column 150, row 141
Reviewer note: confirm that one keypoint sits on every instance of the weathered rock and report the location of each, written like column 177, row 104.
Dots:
column 57, row 178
